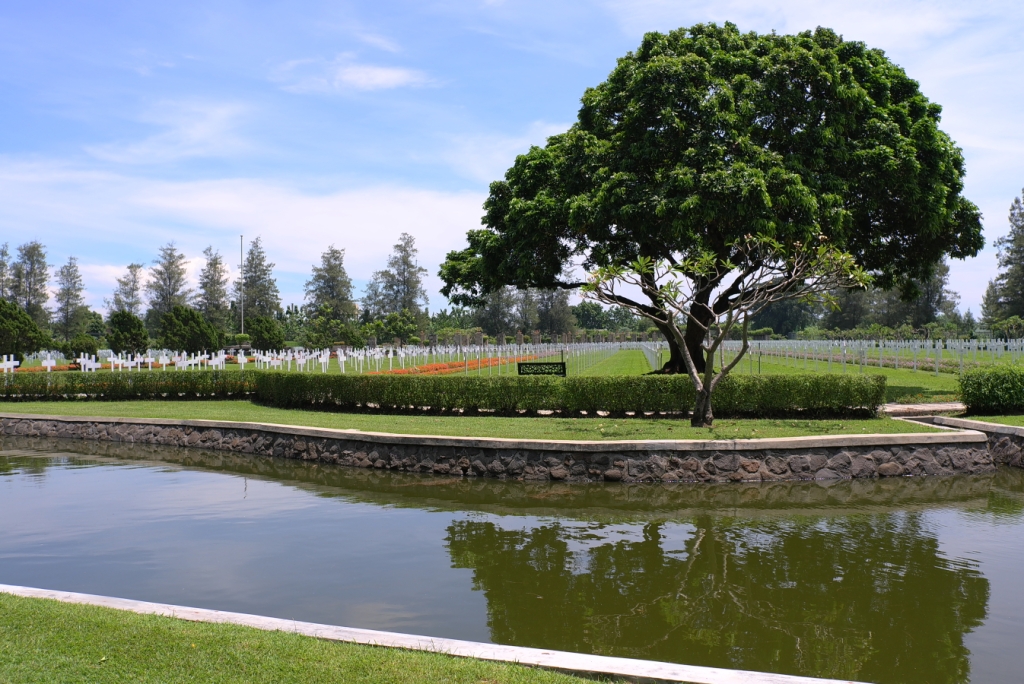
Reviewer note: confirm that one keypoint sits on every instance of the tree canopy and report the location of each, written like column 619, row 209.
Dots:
column 705, row 135
column 1004, row 297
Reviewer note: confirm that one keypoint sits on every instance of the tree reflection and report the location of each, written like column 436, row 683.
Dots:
column 864, row 596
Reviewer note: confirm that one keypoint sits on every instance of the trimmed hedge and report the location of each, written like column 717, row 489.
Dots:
column 108, row 386
column 755, row 395
column 999, row 389
column 738, row 395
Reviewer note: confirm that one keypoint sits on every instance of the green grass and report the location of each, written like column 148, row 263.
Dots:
column 1016, row 421
column 902, row 386
column 626, row 362
column 476, row 426
column 48, row 641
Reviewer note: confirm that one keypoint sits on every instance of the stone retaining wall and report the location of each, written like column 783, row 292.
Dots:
column 799, row 458
column 1005, row 442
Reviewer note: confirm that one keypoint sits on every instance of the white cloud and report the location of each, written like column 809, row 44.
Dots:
column 344, row 73
column 379, row 42
column 109, row 220
column 191, row 129
column 486, row 157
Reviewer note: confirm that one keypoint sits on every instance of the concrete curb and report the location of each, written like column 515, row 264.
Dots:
column 978, row 425
column 557, row 660
column 560, row 446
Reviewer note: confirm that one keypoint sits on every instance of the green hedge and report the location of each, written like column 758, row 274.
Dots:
column 993, row 390
column 760, row 395
column 739, row 395
column 120, row 386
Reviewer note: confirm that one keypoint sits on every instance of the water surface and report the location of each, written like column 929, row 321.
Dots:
column 907, row 580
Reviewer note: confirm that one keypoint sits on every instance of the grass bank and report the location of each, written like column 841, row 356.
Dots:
column 625, row 362
column 472, row 426
column 49, row 641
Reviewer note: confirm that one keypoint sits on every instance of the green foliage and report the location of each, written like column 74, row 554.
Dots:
column 266, row 333
column 185, row 329
column 754, row 395
column 82, row 344
column 125, row 386
column 999, row 389
column 127, row 333
column 19, row 334
column 401, row 325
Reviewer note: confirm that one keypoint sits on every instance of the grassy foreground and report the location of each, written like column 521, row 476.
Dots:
column 48, row 641
column 475, row 426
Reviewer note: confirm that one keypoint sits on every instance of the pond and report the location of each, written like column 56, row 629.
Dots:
column 901, row 580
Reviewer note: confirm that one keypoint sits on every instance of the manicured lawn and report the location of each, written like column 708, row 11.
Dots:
column 626, row 362
column 1017, row 421
column 48, row 641
column 902, row 386
column 477, row 426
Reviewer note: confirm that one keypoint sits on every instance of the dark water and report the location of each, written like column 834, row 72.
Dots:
column 909, row 580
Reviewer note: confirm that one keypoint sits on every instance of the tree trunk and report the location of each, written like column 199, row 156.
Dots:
column 702, row 415
column 694, row 339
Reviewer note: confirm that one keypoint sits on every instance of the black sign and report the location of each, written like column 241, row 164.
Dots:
column 557, row 368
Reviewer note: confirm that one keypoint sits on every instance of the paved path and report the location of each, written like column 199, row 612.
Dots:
column 907, row 410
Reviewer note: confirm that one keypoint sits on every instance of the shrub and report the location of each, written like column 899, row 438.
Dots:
column 993, row 390
column 751, row 395
column 82, row 344
column 185, row 329
column 120, row 386
column 19, row 335
column 127, row 333
column 265, row 332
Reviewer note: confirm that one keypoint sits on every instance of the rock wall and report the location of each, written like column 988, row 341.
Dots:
column 826, row 458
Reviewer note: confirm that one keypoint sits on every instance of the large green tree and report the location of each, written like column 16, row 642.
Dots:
column 399, row 287
column 185, row 329
column 128, row 293
column 19, row 334
column 30, row 278
column 167, row 285
column 127, row 333
column 257, row 286
column 212, row 298
column 706, row 135
column 69, row 318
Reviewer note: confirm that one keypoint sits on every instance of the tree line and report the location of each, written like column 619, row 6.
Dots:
column 155, row 305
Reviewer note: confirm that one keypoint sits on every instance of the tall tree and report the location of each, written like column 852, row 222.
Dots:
column 890, row 308
column 128, row 293
column 496, row 316
column 524, row 310
column 30, row 276
column 399, row 286
column 212, row 299
column 705, row 136
column 167, row 285
column 5, row 273
column 69, row 316
column 257, row 286
column 554, row 316
column 1005, row 297
column 331, row 287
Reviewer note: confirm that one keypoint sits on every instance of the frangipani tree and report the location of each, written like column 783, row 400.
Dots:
column 759, row 271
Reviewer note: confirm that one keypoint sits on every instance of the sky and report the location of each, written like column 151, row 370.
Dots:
column 127, row 125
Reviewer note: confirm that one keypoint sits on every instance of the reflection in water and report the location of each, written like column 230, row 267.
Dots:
column 862, row 596
column 847, row 580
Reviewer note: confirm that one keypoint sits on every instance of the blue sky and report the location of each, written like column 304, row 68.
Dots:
column 127, row 125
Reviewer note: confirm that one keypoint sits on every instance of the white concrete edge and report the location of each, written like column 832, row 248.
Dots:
column 777, row 443
column 920, row 421
column 558, row 660
column 980, row 425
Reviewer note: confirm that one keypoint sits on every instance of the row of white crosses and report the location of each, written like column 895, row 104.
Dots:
column 8, row 363
column 88, row 364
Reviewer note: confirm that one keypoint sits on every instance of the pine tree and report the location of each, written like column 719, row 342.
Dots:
column 257, row 286
column 128, row 293
column 1009, row 284
column 399, row 287
column 167, row 286
column 524, row 311
column 30, row 276
column 69, row 316
column 554, row 316
column 497, row 315
column 331, row 287
column 5, row 273
column 212, row 298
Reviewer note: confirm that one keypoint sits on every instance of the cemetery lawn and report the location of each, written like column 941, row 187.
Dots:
column 1015, row 421
column 49, row 641
column 596, row 428
column 625, row 362
column 903, row 386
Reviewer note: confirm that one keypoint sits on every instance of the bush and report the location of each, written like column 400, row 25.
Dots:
column 127, row 333
column 742, row 395
column 993, row 390
column 265, row 332
column 107, row 386
column 19, row 335
column 82, row 344
column 185, row 329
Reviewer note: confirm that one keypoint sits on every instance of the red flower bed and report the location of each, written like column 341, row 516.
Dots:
column 453, row 366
